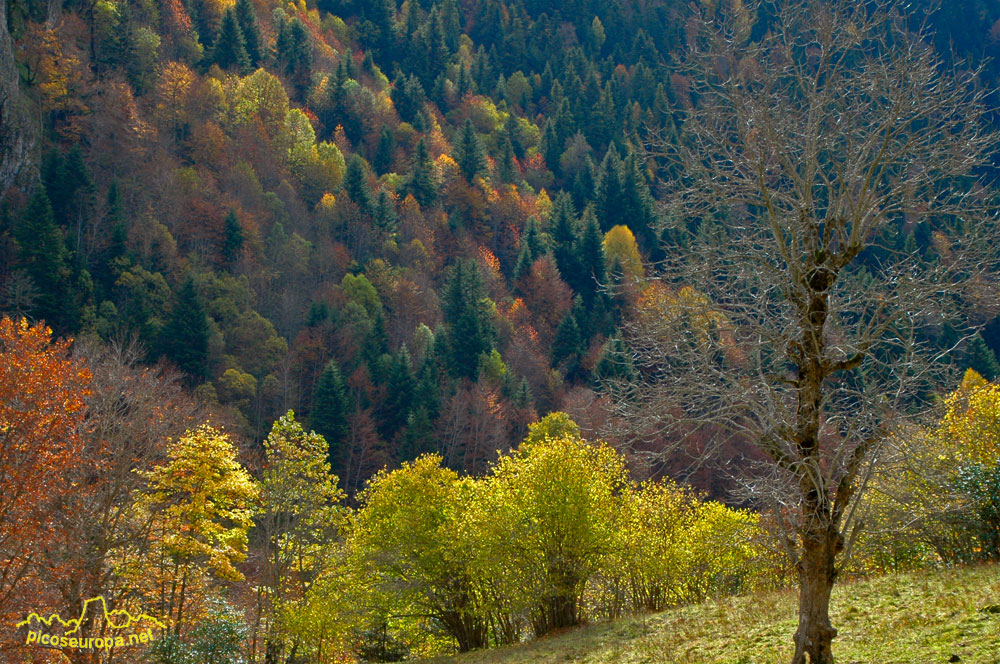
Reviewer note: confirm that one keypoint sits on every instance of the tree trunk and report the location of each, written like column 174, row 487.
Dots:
column 817, row 573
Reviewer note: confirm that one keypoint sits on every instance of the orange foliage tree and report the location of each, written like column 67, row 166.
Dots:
column 42, row 392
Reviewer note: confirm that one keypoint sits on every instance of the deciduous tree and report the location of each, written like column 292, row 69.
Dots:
column 808, row 146
column 42, row 399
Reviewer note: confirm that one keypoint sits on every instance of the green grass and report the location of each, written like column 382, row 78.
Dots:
column 921, row 617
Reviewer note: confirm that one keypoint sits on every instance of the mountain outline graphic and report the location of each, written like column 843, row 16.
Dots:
column 109, row 616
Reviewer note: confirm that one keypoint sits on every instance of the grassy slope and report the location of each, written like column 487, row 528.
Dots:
column 922, row 617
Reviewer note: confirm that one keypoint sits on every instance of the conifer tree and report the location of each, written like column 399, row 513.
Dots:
column 247, row 18
column 522, row 396
column 551, row 146
column 564, row 241
column 384, row 214
column 408, row 96
column 508, row 171
column 103, row 267
column 43, row 257
column 68, row 184
column 512, row 132
column 463, row 85
column 590, row 255
column 427, row 392
column 470, row 154
column 420, row 435
column 608, row 202
column 230, row 47
column 232, row 238
column 294, row 53
column 356, row 184
column 980, row 357
column 382, row 160
column 421, row 183
column 330, row 411
column 567, row 345
column 470, row 330
column 433, row 51
column 532, row 246
column 583, row 185
column 399, row 394
column 638, row 210
column 376, row 344
column 615, row 362
column 184, row 338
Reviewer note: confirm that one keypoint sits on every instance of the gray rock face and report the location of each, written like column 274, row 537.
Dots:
column 17, row 137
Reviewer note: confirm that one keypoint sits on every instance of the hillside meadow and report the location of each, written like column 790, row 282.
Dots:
column 913, row 618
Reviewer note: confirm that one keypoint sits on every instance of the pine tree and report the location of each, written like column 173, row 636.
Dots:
column 522, row 396
column 232, row 238
column 400, row 389
column 980, row 357
column 470, row 330
column 408, row 96
column 230, row 48
column 508, row 171
column 532, row 246
column 470, row 156
column 331, row 411
column 564, row 241
column 512, row 132
column 421, row 183
column 384, row 215
column 616, row 362
column 638, row 209
column 590, row 255
column 551, row 146
column 70, row 189
column 583, row 185
column 382, row 160
column 114, row 219
column 420, row 435
column 567, row 345
column 609, row 201
column 43, row 257
column 247, row 18
column 356, row 184
column 184, row 338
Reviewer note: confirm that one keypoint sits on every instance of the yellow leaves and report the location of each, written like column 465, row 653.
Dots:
column 620, row 245
column 970, row 429
column 543, row 205
column 673, row 547
column 447, row 169
column 259, row 99
column 203, row 501
column 172, row 91
column 670, row 314
column 489, row 259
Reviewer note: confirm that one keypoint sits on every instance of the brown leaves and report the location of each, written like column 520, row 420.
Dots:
column 42, row 393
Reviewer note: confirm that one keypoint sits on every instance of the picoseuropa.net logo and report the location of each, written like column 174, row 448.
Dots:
column 123, row 629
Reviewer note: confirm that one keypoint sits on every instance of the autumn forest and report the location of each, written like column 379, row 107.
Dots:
column 352, row 330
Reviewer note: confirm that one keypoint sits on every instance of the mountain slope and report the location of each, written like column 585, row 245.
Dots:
column 913, row 618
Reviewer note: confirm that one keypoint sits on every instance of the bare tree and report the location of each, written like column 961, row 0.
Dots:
column 793, row 315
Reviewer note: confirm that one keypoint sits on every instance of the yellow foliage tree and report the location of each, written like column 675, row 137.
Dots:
column 620, row 246
column 546, row 520
column 202, row 502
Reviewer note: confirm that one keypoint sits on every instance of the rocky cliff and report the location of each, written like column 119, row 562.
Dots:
column 16, row 131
